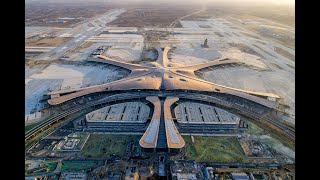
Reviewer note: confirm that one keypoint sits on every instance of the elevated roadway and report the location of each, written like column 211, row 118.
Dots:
column 286, row 130
column 150, row 137
column 174, row 139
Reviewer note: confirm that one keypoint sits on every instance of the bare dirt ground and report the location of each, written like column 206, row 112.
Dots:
column 48, row 41
column 39, row 14
column 245, row 48
column 207, row 13
column 278, row 32
column 152, row 16
column 275, row 23
column 285, row 53
column 84, row 45
column 283, row 15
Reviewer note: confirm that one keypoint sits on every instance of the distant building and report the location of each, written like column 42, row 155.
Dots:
column 34, row 116
column 209, row 173
column 73, row 176
column 240, row 176
column 205, row 44
column 185, row 170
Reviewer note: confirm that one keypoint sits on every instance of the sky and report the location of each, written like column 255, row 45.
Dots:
column 276, row 2
column 231, row 2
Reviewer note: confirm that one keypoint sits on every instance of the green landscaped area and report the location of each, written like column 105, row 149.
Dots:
column 104, row 145
column 218, row 149
column 254, row 129
column 26, row 166
column 77, row 166
column 45, row 167
column 51, row 166
column 27, row 128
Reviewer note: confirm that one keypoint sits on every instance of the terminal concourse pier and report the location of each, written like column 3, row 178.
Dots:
column 162, row 119
column 162, row 131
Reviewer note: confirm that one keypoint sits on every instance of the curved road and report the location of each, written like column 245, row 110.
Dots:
column 290, row 132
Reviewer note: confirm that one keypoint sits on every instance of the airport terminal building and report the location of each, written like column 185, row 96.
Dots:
column 123, row 117
column 162, row 120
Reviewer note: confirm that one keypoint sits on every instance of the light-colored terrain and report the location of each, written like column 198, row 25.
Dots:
column 267, row 68
column 80, row 33
column 274, row 73
column 278, row 146
column 60, row 76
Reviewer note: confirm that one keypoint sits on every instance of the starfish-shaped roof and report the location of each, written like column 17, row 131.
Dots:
column 164, row 76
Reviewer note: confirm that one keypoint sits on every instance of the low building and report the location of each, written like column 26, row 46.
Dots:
column 130, row 117
column 202, row 118
column 73, row 176
column 240, row 176
column 185, row 170
column 208, row 173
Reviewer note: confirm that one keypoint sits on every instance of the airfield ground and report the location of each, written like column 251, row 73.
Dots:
column 53, row 14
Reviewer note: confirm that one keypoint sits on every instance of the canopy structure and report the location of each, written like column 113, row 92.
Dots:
column 164, row 76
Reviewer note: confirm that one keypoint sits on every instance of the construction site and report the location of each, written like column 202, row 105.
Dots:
column 138, row 93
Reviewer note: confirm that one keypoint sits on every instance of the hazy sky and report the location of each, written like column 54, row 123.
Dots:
column 284, row 2
column 231, row 2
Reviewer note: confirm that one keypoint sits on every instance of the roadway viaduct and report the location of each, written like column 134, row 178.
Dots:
column 150, row 137
column 173, row 139
column 251, row 113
